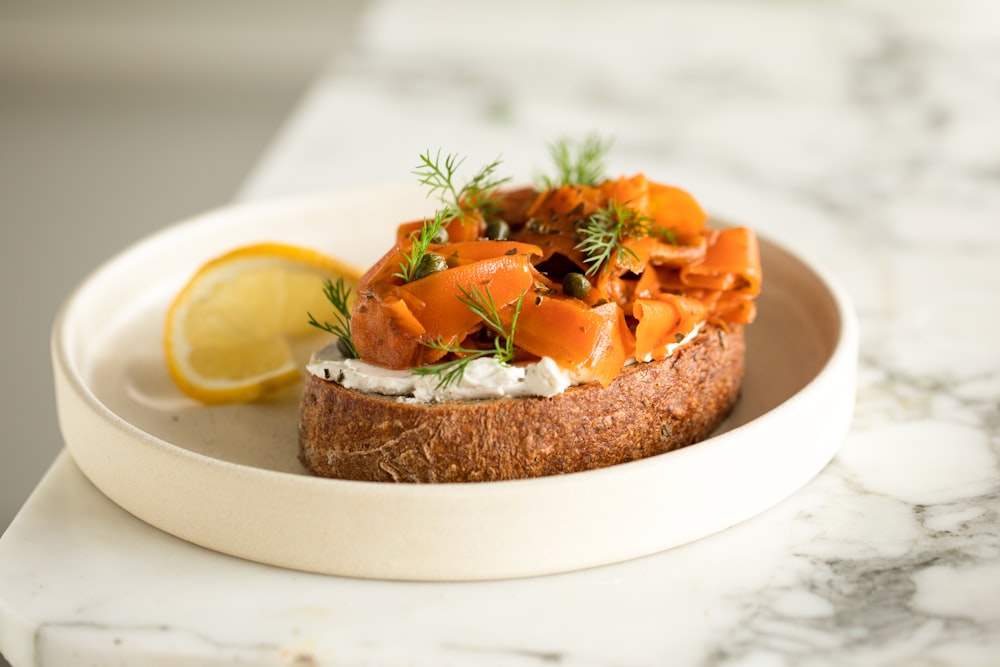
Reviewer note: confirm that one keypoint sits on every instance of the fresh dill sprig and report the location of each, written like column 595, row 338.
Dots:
column 603, row 235
column 475, row 195
column 481, row 303
column 451, row 372
column 338, row 294
column 429, row 233
column 438, row 177
column 582, row 163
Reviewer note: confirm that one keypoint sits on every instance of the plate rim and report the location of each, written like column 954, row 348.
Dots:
column 844, row 352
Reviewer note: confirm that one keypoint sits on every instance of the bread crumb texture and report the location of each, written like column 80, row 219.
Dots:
column 649, row 409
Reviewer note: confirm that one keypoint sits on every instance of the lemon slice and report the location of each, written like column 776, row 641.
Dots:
column 229, row 332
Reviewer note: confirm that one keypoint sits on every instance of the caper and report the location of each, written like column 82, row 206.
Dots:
column 497, row 230
column 428, row 264
column 576, row 285
column 441, row 237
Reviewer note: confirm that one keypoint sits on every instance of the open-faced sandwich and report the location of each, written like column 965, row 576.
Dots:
column 523, row 332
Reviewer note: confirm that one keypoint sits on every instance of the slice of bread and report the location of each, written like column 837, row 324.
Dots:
column 649, row 409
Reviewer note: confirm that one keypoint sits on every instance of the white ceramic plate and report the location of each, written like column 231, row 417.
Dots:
column 228, row 478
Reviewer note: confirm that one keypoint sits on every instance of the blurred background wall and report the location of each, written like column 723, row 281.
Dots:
column 118, row 118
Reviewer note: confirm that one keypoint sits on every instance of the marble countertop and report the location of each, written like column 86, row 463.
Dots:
column 864, row 134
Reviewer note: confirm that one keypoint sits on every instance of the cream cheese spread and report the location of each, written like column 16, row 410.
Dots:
column 484, row 378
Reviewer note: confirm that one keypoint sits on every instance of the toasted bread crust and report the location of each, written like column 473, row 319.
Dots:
column 650, row 408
